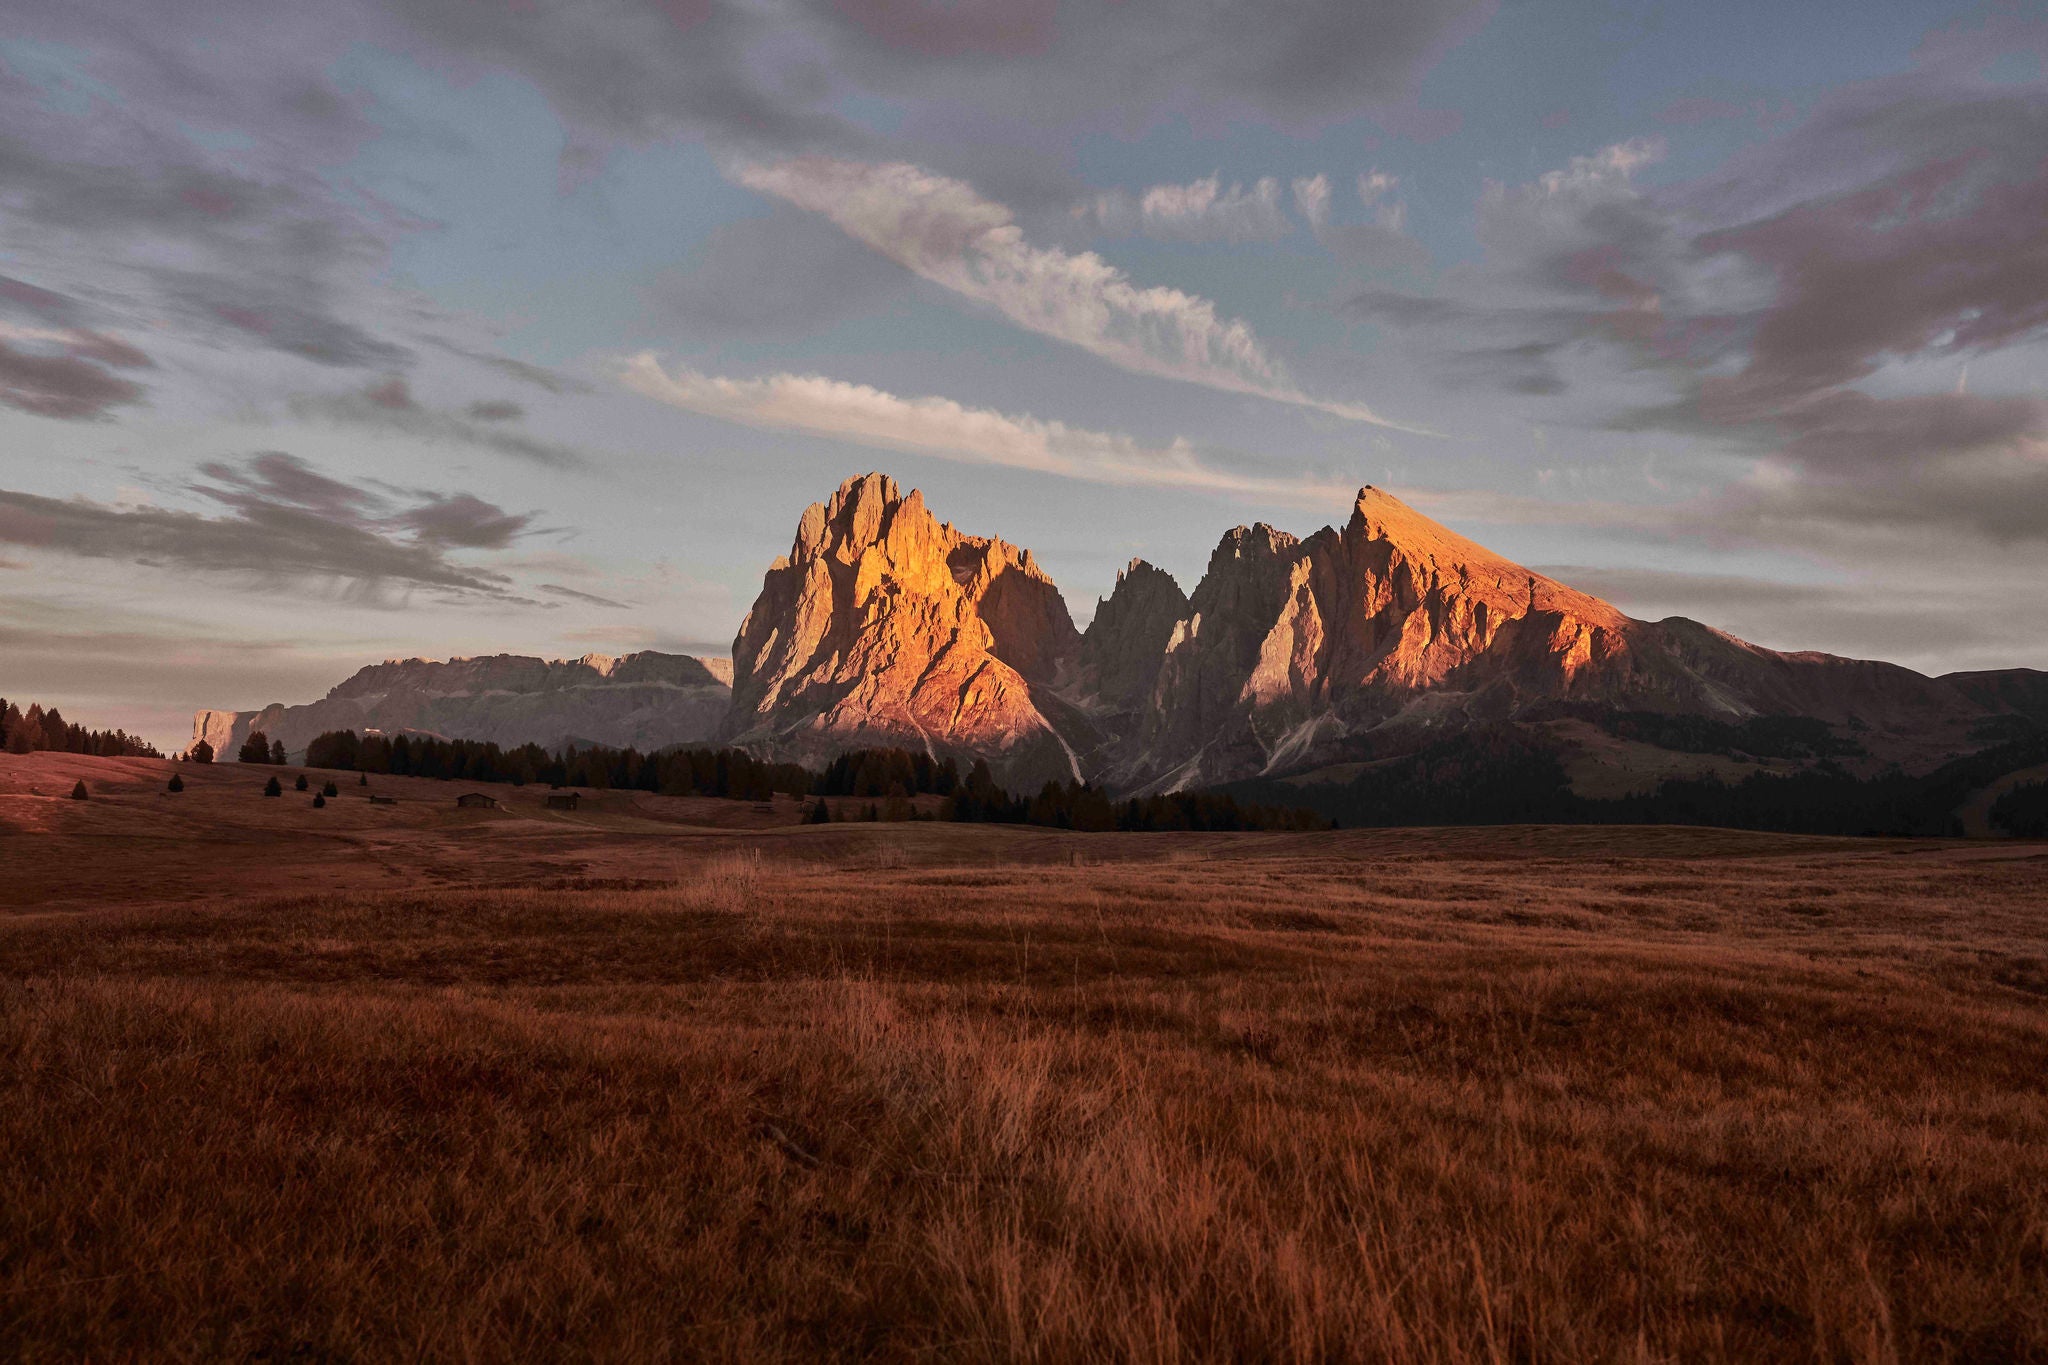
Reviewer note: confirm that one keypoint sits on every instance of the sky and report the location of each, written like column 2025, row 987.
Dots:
column 392, row 328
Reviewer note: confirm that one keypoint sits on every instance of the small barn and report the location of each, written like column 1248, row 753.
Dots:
column 477, row 800
column 563, row 800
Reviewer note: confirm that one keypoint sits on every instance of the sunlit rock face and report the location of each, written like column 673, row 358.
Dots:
column 1288, row 645
column 1291, row 650
column 646, row 701
column 885, row 626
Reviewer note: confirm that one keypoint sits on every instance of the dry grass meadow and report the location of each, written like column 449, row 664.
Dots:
column 514, row 1085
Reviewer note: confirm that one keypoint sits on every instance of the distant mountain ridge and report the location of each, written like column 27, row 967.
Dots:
column 1289, row 654
column 647, row 700
column 886, row 626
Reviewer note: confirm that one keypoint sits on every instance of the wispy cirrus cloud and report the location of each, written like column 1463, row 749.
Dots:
column 1383, row 240
column 948, row 430
column 71, row 383
column 1809, row 306
column 1200, row 211
column 389, row 405
column 53, row 365
column 283, row 523
column 944, row 231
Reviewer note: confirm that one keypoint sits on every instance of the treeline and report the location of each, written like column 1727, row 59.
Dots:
column 2023, row 811
column 1757, row 736
column 1503, row 775
column 889, row 772
column 260, row 748
column 1078, row 806
column 675, row 772
column 1496, row 775
column 890, row 778
column 36, row 730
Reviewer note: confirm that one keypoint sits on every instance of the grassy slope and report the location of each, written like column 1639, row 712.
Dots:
column 900, row 1091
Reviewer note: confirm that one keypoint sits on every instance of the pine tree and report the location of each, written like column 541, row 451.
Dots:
column 821, row 814
column 301, row 785
column 330, row 790
column 202, row 752
column 177, row 783
column 273, row 788
column 319, row 801
column 277, row 753
column 255, row 749
column 79, row 793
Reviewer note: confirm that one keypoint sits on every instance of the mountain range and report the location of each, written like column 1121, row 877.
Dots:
column 645, row 701
column 885, row 626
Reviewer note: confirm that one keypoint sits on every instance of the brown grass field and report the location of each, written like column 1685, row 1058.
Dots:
column 684, row 1079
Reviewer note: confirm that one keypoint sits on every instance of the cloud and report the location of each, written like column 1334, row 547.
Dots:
column 37, row 302
column 461, row 521
column 769, row 79
column 1382, row 242
column 540, row 376
column 135, row 190
column 1805, row 307
column 1312, row 199
column 575, row 595
column 1201, row 211
column 285, row 524
column 788, row 273
column 73, row 386
column 1204, row 62
column 944, row 232
column 495, row 410
column 643, row 70
column 944, row 429
column 389, row 405
column 285, row 312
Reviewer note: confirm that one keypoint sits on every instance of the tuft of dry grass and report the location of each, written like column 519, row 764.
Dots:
column 1279, row 1099
column 729, row 881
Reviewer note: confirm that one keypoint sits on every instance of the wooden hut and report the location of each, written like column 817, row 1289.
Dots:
column 563, row 800
column 477, row 800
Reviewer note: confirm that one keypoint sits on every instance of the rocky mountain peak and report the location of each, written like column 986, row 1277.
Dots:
column 885, row 625
column 1123, row 646
column 1387, row 533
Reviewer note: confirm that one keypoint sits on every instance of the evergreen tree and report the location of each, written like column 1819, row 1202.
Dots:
column 255, row 749
column 273, row 788
column 79, row 793
column 177, row 783
column 319, row 801
column 300, row 785
column 20, row 736
column 277, row 752
column 202, row 752
column 330, row 790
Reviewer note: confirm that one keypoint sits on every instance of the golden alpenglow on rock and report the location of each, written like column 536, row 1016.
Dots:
column 885, row 626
